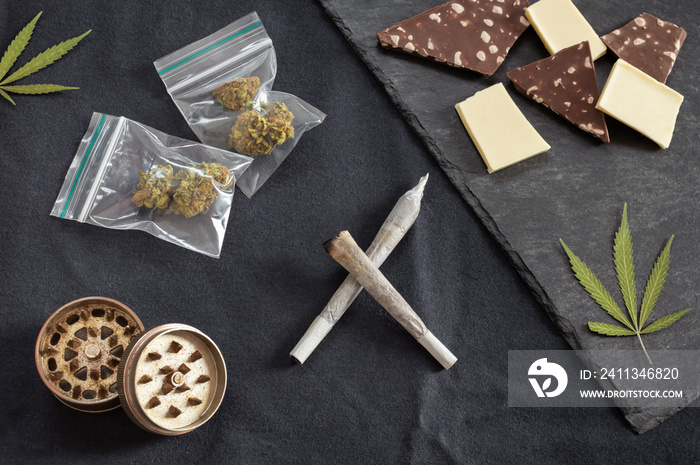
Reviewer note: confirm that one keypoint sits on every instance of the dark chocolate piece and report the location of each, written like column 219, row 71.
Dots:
column 472, row 34
column 649, row 44
column 567, row 84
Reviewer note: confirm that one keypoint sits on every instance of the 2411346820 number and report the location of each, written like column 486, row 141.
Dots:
column 639, row 373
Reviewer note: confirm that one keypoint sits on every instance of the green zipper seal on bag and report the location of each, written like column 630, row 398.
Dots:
column 222, row 41
column 82, row 165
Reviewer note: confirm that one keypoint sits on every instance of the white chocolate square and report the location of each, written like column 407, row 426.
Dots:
column 499, row 130
column 560, row 24
column 641, row 102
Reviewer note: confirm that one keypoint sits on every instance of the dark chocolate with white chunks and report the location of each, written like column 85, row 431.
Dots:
column 566, row 83
column 472, row 34
column 649, row 44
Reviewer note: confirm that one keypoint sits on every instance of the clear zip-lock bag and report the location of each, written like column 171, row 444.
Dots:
column 126, row 175
column 222, row 85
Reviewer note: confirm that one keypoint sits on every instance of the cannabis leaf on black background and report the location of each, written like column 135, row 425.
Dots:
column 40, row 61
column 624, row 268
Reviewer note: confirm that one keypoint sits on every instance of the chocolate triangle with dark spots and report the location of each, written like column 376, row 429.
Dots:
column 566, row 83
column 472, row 34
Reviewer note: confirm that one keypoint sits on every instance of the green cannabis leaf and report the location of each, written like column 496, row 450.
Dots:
column 624, row 268
column 40, row 61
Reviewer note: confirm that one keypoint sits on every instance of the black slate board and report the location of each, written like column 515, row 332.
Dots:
column 575, row 191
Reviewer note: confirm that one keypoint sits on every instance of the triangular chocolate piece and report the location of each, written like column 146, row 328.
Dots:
column 566, row 83
column 472, row 34
column 649, row 44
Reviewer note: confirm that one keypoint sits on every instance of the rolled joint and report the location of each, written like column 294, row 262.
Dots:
column 346, row 252
column 438, row 350
column 313, row 336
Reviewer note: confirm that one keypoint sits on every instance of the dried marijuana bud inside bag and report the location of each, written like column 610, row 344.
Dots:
column 257, row 132
column 126, row 175
column 155, row 190
column 238, row 94
column 189, row 193
column 222, row 85
column 197, row 188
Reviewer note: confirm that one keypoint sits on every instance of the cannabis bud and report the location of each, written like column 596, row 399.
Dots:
column 196, row 190
column 189, row 192
column 218, row 173
column 155, row 188
column 237, row 94
column 258, row 133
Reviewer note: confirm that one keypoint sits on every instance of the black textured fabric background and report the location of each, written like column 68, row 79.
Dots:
column 370, row 393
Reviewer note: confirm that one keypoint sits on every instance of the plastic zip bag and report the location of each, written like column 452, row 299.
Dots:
column 222, row 86
column 126, row 175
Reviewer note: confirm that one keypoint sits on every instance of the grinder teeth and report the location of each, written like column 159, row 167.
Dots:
column 166, row 369
column 175, row 347
column 92, row 354
column 172, row 368
column 167, row 384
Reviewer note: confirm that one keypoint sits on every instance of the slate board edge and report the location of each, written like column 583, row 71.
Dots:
column 640, row 420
